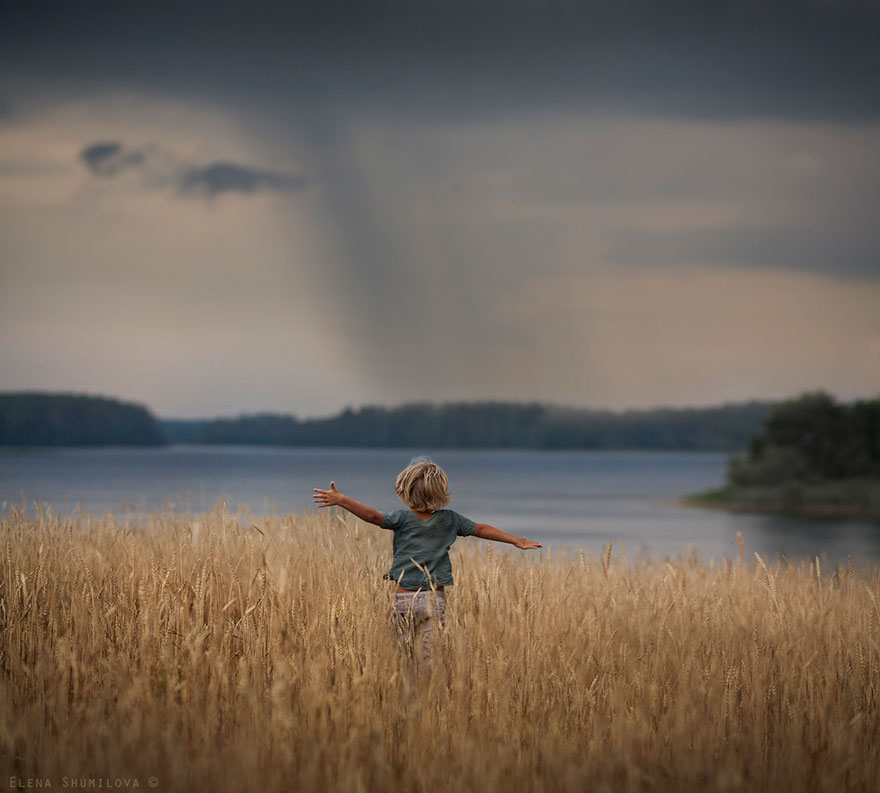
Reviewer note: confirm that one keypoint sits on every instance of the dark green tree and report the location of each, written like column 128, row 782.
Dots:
column 811, row 439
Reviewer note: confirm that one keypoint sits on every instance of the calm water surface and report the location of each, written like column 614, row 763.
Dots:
column 567, row 500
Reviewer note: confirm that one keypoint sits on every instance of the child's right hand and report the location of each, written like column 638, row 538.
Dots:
column 327, row 498
column 525, row 544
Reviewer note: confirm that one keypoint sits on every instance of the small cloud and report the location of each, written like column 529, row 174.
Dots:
column 163, row 169
column 227, row 177
column 106, row 159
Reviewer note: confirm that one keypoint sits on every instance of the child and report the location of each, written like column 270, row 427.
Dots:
column 423, row 534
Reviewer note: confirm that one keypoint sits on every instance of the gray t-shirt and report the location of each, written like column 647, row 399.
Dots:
column 425, row 541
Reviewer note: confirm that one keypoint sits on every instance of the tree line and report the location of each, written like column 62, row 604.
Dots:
column 809, row 438
column 497, row 425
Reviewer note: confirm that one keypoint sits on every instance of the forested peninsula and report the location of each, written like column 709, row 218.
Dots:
column 813, row 456
column 39, row 419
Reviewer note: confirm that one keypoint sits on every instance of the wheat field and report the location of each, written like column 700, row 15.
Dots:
column 222, row 652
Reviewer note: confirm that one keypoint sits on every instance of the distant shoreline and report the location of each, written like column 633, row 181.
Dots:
column 39, row 419
column 798, row 501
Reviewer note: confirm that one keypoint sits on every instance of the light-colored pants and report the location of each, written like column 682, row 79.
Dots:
column 418, row 622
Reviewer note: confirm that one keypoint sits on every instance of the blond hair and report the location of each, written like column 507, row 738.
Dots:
column 423, row 486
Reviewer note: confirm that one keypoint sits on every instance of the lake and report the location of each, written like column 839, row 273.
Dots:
column 569, row 500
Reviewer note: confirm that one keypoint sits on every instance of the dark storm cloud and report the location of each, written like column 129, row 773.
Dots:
column 227, row 177
column 795, row 58
column 107, row 159
column 391, row 104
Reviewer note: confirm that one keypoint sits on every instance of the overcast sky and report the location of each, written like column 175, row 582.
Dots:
column 215, row 207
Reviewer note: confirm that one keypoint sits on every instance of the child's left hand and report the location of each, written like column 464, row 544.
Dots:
column 525, row 544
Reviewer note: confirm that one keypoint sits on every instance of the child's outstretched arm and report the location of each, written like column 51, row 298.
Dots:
column 487, row 532
column 333, row 498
